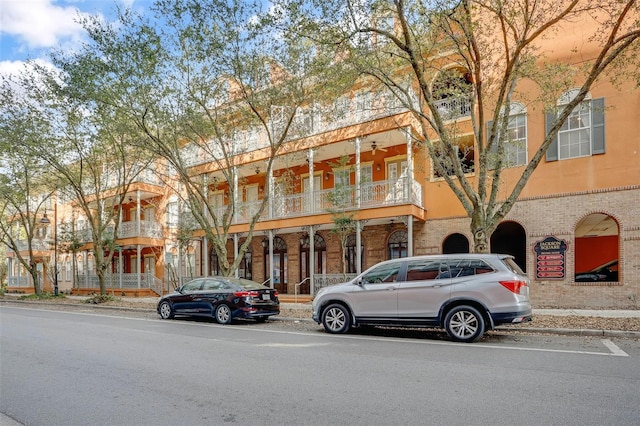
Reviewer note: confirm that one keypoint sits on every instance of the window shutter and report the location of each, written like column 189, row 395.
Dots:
column 597, row 126
column 552, row 151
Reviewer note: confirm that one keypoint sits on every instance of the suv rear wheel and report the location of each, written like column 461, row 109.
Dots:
column 336, row 319
column 464, row 324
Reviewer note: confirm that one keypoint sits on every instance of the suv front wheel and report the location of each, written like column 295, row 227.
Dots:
column 464, row 324
column 336, row 319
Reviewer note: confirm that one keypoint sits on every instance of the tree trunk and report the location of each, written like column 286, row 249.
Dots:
column 37, row 288
column 479, row 230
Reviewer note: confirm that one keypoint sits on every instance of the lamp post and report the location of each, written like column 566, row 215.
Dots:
column 45, row 220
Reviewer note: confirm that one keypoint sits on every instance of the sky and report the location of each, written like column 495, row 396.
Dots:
column 29, row 29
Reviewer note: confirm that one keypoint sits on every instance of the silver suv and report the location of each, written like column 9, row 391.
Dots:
column 462, row 293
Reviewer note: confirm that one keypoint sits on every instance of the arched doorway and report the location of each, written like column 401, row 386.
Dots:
column 597, row 242
column 455, row 243
column 510, row 238
column 280, row 271
column 397, row 244
column 320, row 260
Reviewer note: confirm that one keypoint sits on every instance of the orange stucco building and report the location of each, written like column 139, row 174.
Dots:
column 579, row 212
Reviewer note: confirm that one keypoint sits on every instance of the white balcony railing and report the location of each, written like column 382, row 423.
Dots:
column 36, row 245
column 307, row 122
column 455, row 107
column 372, row 194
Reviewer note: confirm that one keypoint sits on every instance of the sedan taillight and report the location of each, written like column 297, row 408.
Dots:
column 246, row 294
column 514, row 286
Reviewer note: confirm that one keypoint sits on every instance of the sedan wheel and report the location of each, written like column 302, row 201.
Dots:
column 464, row 324
column 223, row 314
column 336, row 319
column 166, row 312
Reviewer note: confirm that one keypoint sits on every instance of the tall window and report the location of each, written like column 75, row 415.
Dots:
column 582, row 134
column 214, row 262
column 351, row 255
column 245, row 270
column 514, row 144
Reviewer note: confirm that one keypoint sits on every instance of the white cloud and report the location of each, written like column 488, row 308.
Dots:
column 39, row 23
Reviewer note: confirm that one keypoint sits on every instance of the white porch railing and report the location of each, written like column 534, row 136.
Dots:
column 122, row 281
column 325, row 280
column 22, row 281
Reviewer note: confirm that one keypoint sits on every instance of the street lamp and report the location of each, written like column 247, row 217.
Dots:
column 45, row 220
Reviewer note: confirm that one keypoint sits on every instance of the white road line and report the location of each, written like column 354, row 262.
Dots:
column 613, row 348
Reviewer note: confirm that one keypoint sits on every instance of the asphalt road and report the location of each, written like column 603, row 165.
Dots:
column 88, row 368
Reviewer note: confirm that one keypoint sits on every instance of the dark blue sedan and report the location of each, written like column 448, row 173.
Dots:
column 222, row 298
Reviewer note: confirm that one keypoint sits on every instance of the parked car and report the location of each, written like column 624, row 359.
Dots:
column 463, row 293
column 606, row 272
column 222, row 298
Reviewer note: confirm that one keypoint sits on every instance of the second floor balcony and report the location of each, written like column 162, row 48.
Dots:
column 132, row 229
column 402, row 191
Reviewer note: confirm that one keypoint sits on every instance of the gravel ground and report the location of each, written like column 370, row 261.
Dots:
column 303, row 312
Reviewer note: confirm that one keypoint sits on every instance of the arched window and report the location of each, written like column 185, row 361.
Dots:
column 455, row 243
column 597, row 241
column 397, row 245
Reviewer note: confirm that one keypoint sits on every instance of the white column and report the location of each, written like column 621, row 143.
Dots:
column 358, row 244
column 312, row 259
column 139, row 265
column 409, row 235
column 270, row 258
column 235, row 252
column 358, row 172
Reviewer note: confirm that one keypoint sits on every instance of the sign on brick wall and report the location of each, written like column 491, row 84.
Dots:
column 550, row 258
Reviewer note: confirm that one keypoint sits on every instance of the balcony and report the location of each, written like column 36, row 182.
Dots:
column 454, row 107
column 128, row 230
column 148, row 229
column 307, row 122
column 371, row 195
column 36, row 245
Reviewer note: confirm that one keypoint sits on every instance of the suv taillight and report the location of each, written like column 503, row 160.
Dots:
column 514, row 286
